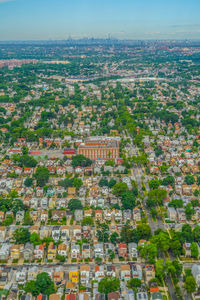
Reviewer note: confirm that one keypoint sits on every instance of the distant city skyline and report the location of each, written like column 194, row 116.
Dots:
column 122, row 19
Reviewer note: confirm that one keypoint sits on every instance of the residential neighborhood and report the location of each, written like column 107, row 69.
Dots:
column 100, row 172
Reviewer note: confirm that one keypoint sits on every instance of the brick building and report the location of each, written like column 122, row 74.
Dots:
column 100, row 149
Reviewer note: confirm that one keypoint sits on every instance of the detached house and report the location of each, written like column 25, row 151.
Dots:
column 65, row 232
column 44, row 216
column 122, row 250
column 136, row 271
column 84, row 274
column 181, row 214
column 52, row 251
column 172, row 213
column 62, row 250
column 20, row 216
column 187, row 248
column 15, row 252
column 4, row 251
column 86, row 251
column 125, row 272
column 136, row 215
column 78, row 215
column 39, row 251
column 58, row 215
column 132, row 250
column 98, row 215
column 99, row 272
column 98, row 250
column 75, row 251
column 2, row 233
column 28, row 251
column 149, row 272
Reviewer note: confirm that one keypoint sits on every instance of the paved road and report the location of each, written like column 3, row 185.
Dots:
column 138, row 173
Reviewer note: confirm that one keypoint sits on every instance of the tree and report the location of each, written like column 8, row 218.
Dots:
column 157, row 196
column 77, row 182
column 114, row 237
column 148, row 252
column 189, row 211
column 178, row 266
column 194, row 250
column 81, row 160
column 108, row 285
column 75, row 204
column 21, row 235
column 24, row 160
column 176, row 203
column 60, row 258
column 35, row 239
column 103, row 235
column 187, row 233
column 28, row 182
column 158, row 151
column 160, row 269
column 144, row 231
column 41, row 175
column 161, row 240
column 87, row 221
column 27, row 219
column 32, row 288
column 24, row 150
column 169, row 180
column 170, row 268
column 119, row 188
column 154, row 184
column 17, row 205
column 196, row 233
column 111, row 254
column 103, row 182
column 110, row 162
column 134, row 283
column 175, row 246
column 153, row 212
column 164, row 168
column 189, row 179
column 45, row 284
column 128, row 200
column 111, row 183
column 126, row 234
column 8, row 220
column 196, row 194
column 195, row 202
column 190, row 284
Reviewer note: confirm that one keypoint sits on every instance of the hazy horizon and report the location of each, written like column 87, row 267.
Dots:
column 22, row 20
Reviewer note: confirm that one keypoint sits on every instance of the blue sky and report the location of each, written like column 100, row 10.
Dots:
column 132, row 19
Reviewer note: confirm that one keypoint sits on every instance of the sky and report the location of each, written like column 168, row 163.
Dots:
column 123, row 19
